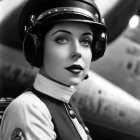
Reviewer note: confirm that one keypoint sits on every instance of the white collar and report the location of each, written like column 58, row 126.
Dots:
column 53, row 89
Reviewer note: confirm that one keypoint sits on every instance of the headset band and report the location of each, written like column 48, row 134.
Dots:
column 70, row 10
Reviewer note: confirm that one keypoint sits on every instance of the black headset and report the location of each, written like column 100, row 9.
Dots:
column 33, row 49
column 34, row 39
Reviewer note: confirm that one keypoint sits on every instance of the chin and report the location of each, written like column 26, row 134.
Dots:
column 75, row 82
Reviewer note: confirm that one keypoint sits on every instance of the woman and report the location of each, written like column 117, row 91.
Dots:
column 61, row 38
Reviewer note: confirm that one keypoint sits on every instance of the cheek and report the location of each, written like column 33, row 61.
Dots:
column 88, row 57
column 50, row 57
column 54, row 56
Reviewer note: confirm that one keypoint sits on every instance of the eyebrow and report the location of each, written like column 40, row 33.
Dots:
column 64, row 31
column 89, row 33
column 68, row 32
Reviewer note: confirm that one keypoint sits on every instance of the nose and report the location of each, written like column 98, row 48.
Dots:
column 76, row 51
column 76, row 56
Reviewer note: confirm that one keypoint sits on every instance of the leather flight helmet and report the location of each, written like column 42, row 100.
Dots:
column 38, row 15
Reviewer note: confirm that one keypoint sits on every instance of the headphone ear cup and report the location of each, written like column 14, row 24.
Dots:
column 31, row 45
column 99, row 46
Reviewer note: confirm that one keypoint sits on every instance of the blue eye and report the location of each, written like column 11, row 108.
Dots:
column 61, row 40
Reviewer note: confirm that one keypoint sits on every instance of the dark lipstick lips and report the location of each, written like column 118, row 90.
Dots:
column 75, row 69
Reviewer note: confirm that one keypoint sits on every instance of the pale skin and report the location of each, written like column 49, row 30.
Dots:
column 67, row 44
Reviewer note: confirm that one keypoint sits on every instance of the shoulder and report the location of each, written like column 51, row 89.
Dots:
column 27, row 103
column 28, row 113
column 25, row 107
column 25, row 100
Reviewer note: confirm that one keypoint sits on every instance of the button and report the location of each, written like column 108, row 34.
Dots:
column 87, row 130
column 72, row 114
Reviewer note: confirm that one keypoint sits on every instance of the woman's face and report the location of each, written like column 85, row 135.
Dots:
column 67, row 52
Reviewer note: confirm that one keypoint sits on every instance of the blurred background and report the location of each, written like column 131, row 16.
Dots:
column 109, row 100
